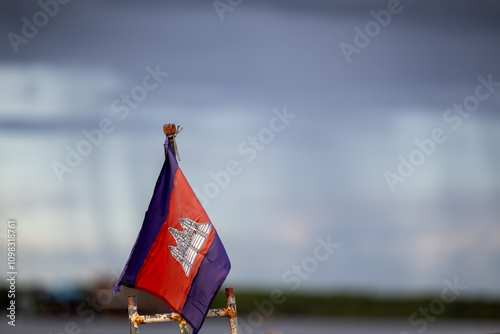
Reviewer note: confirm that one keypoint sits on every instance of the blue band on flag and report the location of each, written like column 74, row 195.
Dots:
column 212, row 273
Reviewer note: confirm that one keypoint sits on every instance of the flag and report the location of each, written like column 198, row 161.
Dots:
column 178, row 256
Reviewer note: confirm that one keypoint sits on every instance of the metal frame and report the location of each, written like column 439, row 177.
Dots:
column 229, row 311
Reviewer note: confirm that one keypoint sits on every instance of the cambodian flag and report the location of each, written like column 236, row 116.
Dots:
column 178, row 256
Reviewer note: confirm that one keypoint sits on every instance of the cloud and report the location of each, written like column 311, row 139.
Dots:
column 40, row 91
column 322, row 175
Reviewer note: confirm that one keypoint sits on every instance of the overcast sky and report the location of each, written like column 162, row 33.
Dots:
column 319, row 105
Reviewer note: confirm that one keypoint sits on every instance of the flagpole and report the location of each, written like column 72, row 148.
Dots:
column 171, row 132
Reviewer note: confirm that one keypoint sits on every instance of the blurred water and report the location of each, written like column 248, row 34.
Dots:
column 274, row 326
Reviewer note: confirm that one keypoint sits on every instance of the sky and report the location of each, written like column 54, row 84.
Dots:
column 335, row 145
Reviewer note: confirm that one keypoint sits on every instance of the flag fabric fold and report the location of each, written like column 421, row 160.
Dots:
column 178, row 255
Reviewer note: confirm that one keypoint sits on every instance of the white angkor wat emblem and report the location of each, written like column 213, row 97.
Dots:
column 189, row 241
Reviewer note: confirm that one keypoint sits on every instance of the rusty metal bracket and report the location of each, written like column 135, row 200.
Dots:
column 229, row 311
column 171, row 131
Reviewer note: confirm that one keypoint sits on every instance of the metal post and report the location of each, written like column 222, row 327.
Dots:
column 132, row 314
column 231, row 305
column 229, row 311
column 183, row 326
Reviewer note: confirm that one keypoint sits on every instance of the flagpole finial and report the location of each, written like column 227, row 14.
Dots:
column 171, row 132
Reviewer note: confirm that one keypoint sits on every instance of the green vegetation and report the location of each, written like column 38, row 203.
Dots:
column 84, row 302
column 353, row 305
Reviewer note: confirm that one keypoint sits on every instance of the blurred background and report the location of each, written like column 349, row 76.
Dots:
column 339, row 147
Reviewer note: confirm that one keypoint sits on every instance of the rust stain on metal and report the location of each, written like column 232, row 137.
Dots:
column 217, row 313
column 137, row 319
column 162, row 317
column 132, row 304
column 183, row 326
column 169, row 129
column 229, row 311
